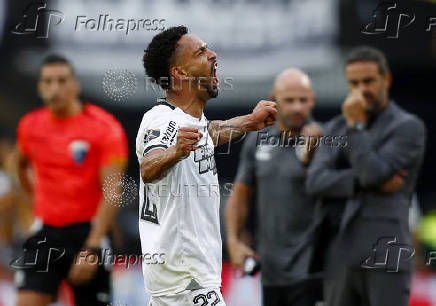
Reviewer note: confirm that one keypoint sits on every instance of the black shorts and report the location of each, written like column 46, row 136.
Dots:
column 47, row 258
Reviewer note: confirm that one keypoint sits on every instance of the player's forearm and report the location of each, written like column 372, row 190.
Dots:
column 224, row 131
column 157, row 162
column 237, row 211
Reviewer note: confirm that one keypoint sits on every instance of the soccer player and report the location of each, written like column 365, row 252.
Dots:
column 72, row 148
column 366, row 189
column 179, row 191
column 272, row 165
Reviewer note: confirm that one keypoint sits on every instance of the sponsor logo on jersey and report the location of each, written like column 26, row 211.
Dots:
column 171, row 129
column 79, row 149
column 205, row 159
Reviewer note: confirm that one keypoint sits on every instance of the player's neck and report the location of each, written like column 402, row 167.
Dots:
column 187, row 102
column 72, row 108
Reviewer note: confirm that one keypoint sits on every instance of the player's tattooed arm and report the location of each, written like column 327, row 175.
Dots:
column 157, row 162
column 263, row 115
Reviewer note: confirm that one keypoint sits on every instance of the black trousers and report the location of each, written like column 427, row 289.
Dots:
column 305, row 293
column 347, row 282
column 361, row 287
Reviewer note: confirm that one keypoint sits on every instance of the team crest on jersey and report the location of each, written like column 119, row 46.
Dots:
column 79, row 149
column 205, row 159
column 150, row 135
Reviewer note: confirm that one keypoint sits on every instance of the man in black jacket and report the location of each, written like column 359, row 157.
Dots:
column 365, row 189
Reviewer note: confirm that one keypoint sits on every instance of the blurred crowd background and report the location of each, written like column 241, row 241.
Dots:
column 254, row 40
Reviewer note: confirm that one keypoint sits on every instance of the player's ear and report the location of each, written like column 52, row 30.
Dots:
column 178, row 72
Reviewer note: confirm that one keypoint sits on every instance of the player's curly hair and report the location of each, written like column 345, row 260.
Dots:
column 159, row 54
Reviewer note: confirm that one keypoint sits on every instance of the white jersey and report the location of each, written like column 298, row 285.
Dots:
column 179, row 213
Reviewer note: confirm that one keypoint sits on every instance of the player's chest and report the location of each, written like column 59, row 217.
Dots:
column 202, row 159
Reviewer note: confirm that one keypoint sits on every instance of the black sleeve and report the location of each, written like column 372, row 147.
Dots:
column 246, row 173
column 374, row 167
column 324, row 179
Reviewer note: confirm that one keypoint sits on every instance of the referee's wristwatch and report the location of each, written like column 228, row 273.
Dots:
column 357, row 126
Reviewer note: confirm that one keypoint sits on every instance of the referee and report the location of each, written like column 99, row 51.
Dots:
column 72, row 149
column 271, row 165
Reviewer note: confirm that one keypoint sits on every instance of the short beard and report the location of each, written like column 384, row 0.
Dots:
column 376, row 107
column 287, row 123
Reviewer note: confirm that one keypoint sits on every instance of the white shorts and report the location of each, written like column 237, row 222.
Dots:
column 198, row 297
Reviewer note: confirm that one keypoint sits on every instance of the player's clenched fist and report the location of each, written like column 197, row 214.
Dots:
column 187, row 141
column 263, row 115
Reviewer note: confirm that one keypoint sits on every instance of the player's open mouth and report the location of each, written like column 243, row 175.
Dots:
column 215, row 81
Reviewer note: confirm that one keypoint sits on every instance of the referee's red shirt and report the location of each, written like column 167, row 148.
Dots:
column 66, row 155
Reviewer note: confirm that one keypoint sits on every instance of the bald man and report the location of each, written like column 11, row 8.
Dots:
column 273, row 163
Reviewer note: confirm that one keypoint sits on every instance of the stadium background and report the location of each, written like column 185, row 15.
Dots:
column 254, row 40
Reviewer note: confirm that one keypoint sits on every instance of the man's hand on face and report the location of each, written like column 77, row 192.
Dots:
column 353, row 108
column 263, row 115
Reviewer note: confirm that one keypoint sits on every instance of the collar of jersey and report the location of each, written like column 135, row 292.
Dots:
column 178, row 109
